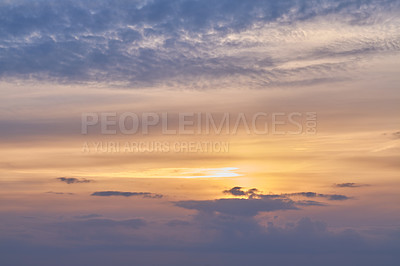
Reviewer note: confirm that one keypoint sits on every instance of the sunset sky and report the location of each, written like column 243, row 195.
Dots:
column 318, row 186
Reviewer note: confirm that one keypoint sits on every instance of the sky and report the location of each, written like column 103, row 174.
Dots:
column 187, row 132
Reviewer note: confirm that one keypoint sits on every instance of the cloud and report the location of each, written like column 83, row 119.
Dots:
column 309, row 203
column 108, row 223
column 60, row 193
column 344, row 185
column 126, row 194
column 256, row 202
column 237, row 191
column 396, row 134
column 255, row 193
column 73, row 180
column 245, row 235
column 314, row 195
column 238, row 207
column 88, row 216
column 89, row 231
column 178, row 223
column 210, row 235
column 195, row 43
column 347, row 185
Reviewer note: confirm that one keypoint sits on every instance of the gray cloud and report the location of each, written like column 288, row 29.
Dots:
column 350, row 185
column 73, row 180
column 347, row 185
column 236, row 191
column 214, row 232
column 145, row 43
column 245, row 234
column 315, row 195
column 255, row 193
column 126, row 194
column 256, row 202
column 238, row 207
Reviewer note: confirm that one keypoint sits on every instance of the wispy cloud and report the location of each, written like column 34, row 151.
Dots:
column 315, row 195
column 343, row 185
column 60, row 193
column 73, row 180
column 126, row 194
column 255, row 193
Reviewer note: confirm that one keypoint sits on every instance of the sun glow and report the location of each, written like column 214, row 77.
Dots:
column 212, row 172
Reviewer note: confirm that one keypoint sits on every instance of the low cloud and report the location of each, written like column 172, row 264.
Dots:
column 60, row 193
column 309, row 203
column 256, row 202
column 256, row 194
column 127, row 194
column 238, row 207
column 93, row 223
column 88, row 216
column 350, row 185
column 237, row 191
column 315, row 195
column 73, row 180
column 178, row 223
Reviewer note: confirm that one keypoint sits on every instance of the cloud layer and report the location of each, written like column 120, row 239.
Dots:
column 249, row 227
column 192, row 43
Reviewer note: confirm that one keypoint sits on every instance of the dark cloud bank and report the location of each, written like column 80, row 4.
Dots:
column 222, row 232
